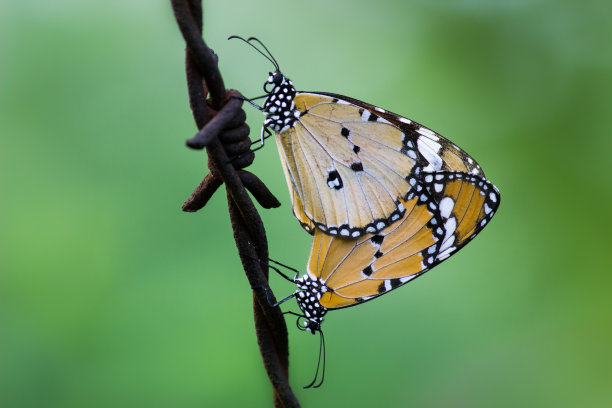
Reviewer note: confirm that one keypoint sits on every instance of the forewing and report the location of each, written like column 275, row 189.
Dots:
column 466, row 203
column 348, row 168
column 436, row 153
column 296, row 202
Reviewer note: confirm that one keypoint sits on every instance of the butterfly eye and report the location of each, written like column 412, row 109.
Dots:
column 278, row 78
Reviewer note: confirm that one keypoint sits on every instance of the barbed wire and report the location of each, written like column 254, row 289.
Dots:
column 224, row 135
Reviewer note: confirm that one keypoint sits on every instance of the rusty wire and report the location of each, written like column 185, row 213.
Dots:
column 222, row 131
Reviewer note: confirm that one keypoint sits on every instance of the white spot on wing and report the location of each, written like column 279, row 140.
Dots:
column 449, row 238
column 430, row 153
column 446, row 253
column 446, row 207
column 447, row 243
column 404, row 120
column 407, row 278
column 426, row 132
column 434, row 146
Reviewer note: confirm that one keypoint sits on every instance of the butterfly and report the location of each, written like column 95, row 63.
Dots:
column 450, row 209
column 347, row 163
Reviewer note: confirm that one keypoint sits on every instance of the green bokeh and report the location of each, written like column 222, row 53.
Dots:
column 111, row 296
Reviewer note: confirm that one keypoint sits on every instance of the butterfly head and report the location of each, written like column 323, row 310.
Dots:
column 275, row 79
column 308, row 296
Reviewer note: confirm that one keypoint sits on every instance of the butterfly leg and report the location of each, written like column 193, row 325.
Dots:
column 250, row 101
column 265, row 133
column 283, row 300
column 263, row 137
column 301, row 327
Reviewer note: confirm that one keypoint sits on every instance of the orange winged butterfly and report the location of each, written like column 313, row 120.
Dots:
column 348, row 163
column 447, row 212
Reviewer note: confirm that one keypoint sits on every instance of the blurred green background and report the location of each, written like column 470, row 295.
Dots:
column 111, row 296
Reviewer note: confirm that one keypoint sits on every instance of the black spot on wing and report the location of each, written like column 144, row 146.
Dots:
column 378, row 254
column 356, row 149
column 345, row 132
column 377, row 239
column 357, row 166
column 367, row 271
column 334, row 180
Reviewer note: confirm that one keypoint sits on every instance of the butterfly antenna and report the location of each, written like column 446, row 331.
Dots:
column 267, row 50
column 274, row 268
column 324, row 354
column 321, row 353
column 268, row 57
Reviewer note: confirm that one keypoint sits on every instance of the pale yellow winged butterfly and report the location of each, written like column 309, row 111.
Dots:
column 348, row 163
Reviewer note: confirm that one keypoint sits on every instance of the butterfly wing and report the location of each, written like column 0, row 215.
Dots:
column 356, row 270
column 466, row 202
column 296, row 202
column 347, row 162
column 436, row 153
column 348, row 167
column 435, row 226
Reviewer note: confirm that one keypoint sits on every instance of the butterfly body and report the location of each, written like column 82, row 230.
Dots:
column 308, row 297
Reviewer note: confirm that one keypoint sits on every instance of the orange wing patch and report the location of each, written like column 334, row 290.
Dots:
column 466, row 202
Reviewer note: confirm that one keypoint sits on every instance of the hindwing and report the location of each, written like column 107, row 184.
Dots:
column 449, row 211
column 466, row 203
column 356, row 270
